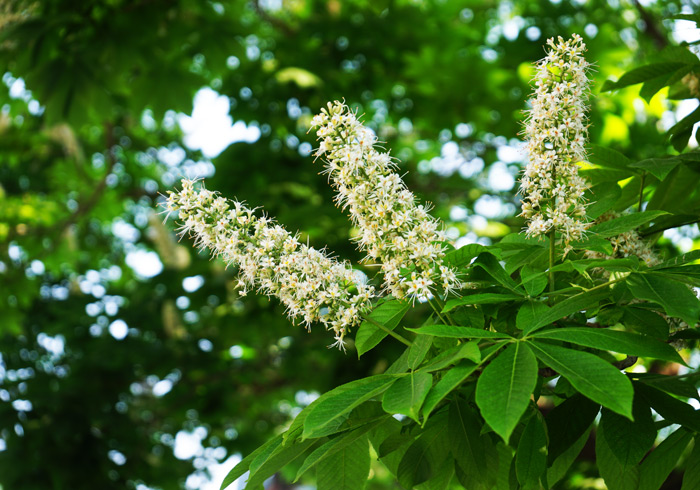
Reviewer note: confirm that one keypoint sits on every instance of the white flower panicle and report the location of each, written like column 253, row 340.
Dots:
column 556, row 132
column 393, row 229
column 313, row 286
column 626, row 244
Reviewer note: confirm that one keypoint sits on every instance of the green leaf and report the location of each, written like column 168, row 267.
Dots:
column 451, row 380
column 419, row 462
column 589, row 374
column 466, row 442
column 683, row 130
column 646, row 322
column 507, row 479
column 691, row 478
column 406, row 395
column 609, row 158
column 244, row 465
column 492, row 266
column 625, row 223
column 670, row 408
column 629, row 441
column 336, row 444
column 675, row 298
column 574, row 304
column 464, row 255
column 658, row 465
column 602, row 198
column 479, row 299
column 614, row 340
column 467, row 350
column 528, row 314
column 265, row 466
column 346, row 469
column 531, row 456
column 388, row 314
column 458, row 332
column 504, row 388
column 419, row 348
column 617, row 476
column 563, row 462
column 686, row 258
column 658, row 167
column 682, row 386
column 335, row 404
column 567, row 422
column 533, row 282
column 641, row 74
column 441, row 478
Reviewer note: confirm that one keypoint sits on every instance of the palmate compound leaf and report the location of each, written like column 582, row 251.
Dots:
column 614, row 340
column 590, row 375
column 338, row 402
column 504, row 388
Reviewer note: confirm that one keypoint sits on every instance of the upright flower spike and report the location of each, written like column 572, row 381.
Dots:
column 556, row 132
column 313, row 286
column 393, row 229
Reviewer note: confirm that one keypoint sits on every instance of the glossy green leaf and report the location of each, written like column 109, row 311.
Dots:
column 451, row 380
column 479, row 299
column 244, row 465
column 641, row 74
column 663, row 459
column 569, row 306
column 614, row 340
column 625, row 223
column 617, row 476
column 388, row 314
column 669, row 407
column 658, row 167
column 675, row 298
column 340, row 401
column 464, row 255
column 589, row 374
column 567, row 422
column 691, row 478
column 628, row 440
column 467, row 350
column 505, row 386
column 466, row 443
column 346, row 469
column 458, row 332
column 529, row 313
column 563, row 462
column 336, row 444
column 419, row 348
column 407, row 394
column 531, row 456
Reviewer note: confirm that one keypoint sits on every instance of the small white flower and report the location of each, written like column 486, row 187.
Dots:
column 556, row 131
column 394, row 230
column 312, row 286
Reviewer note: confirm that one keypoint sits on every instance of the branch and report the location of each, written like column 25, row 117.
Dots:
column 650, row 27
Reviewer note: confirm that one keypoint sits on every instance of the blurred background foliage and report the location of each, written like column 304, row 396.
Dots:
column 127, row 359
